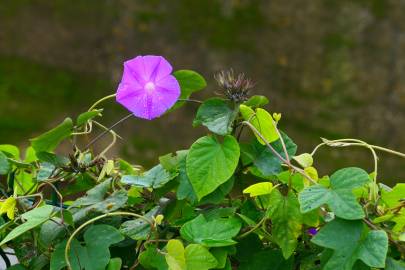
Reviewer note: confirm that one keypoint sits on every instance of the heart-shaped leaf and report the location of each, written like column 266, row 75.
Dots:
column 211, row 163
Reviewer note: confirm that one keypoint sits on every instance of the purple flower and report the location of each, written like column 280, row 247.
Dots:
column 312, row 231
column 147, row 88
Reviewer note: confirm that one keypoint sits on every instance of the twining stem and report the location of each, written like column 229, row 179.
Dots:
column 69, row 242
column 100, row 101
column 354, row 142
column 108, row 130
column 300, row 171
column 287, row 157
column 257, row 226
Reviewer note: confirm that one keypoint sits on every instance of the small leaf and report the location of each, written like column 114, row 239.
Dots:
column 392, row 198
column 12, row 150
column 259, row 189
column 211, row 163
column 48, row 141
column 262, row 121
column 107, row 169
column 175, row 255
column 154, row 178
column 312, row 172
column 190, row 82
column 256, row 101
column 8, row 206
column 216, row 115
column 305, row 160
column 86, row 116
column 214, row 233
column 34, row 218
column 45, row 171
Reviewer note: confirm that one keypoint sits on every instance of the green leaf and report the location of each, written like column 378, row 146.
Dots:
column 262, row 121
column 152, row 259
column 171, row 162
column 219, row 194
column 351, row 241
column 213, row 233
column 305, row 160
column 392, row 264
column 392, row 198
column 48, row 141
column 86, row 116
column 4, row 164
column 258, row 189
column 76, row 256
column 139, row 229
column 286, row 218
column 216, row 115
column 10, row 149
column 296, row 180
column 56, row 160
column 190, row 82
column 339, row 196
column 211, row 163
column 221, row 255
column 256, row 101
column 175, row 257
column 199, row 258
column 33, row 219
column 94, row 195
column 154, row 178
column 185, row 189
column 114, row 264
column 265, row 162
column 95, row 254
column 45, row 171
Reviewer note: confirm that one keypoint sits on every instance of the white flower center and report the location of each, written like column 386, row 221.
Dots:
column 149, row 86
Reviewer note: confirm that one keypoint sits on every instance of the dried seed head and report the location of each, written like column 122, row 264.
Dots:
column 235, row 87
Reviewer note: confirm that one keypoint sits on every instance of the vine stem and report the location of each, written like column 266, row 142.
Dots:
column 100, row 101
column 257, row 226
column 68, row 243
column 355, row 142
column 302, row 172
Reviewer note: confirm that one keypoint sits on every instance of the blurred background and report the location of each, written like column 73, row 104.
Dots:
column 334, row 68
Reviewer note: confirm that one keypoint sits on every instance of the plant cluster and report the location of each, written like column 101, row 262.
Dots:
column 241, row 197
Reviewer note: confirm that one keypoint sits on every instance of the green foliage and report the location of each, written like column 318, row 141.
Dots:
column 4, row 164
column 339, row 196
column 48, row 141
column 190, row 82
column 94, row 254
column 216, row 115
column 233, row 200
column 83, row 118
column 213, row 233
column 351, row 241
column 210, row 163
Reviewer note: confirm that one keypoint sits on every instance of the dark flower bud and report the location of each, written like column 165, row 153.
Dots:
column 236, row 87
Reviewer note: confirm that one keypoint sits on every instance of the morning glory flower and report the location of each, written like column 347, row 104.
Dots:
column 147, row 88
column 312, row 231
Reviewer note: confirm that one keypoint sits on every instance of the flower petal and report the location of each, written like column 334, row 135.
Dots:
column 156, row 67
